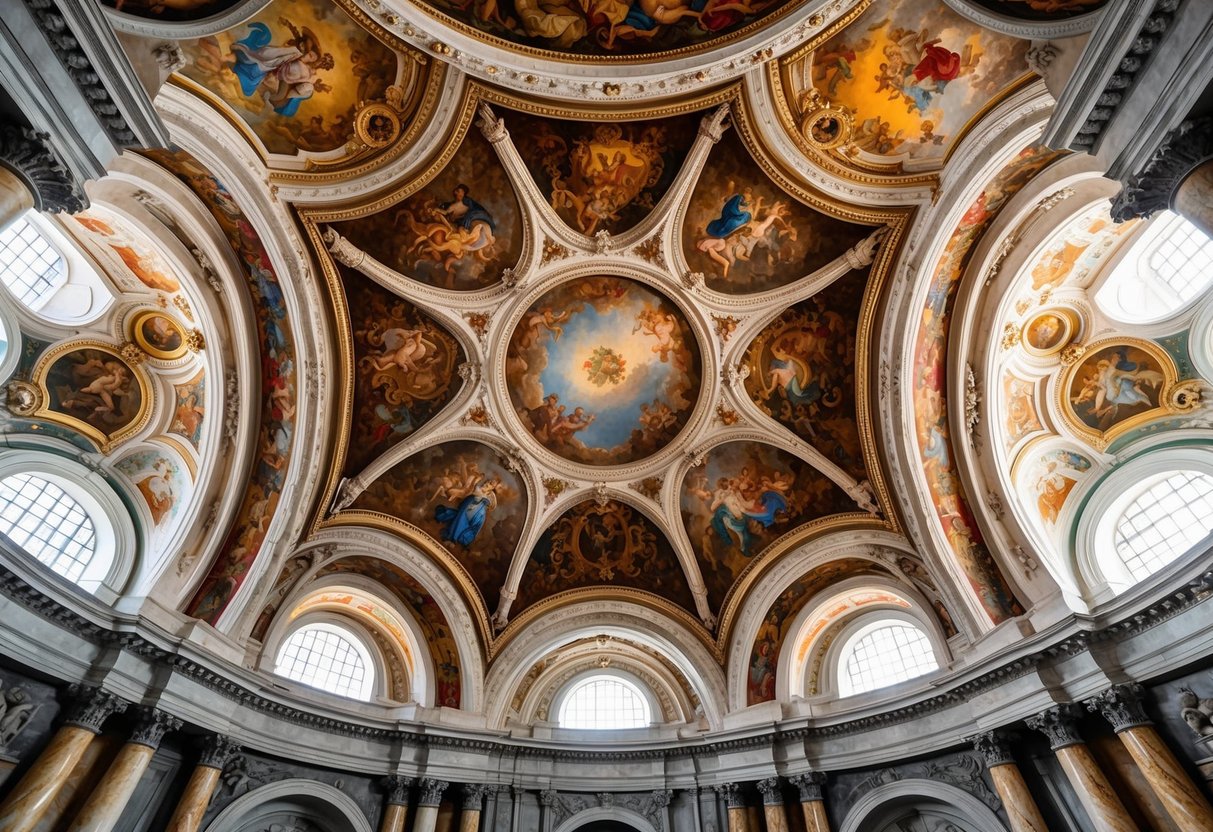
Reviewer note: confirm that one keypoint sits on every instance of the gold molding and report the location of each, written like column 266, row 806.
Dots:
column 135, row 334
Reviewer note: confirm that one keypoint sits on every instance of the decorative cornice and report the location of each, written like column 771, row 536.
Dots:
column 431, row 792
column 153, row 724
column 80, row 69
column 1059, row 724
column 994, row 747
column 1122, row 706
column 1152, row 189
column 397, row 789
column 218, row 751
column 91, row 707
column 29, row 155
column 772, row 794
column 809, row 784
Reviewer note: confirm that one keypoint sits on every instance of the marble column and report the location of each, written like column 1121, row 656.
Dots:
column 37, row 790
column 428, row 801
column 735, row 801
column 1122, row 706
column 995, row 749
column 217, row 752
column 1194, row 197
column 812, row 801
column 396, row 809
column 473, row 803
column 15, row 197
column 1060, row 725
column 772, row 804
column 109, row 797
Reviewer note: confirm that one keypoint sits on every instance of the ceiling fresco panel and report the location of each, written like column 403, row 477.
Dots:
column 746, row 235
column 172, row 10
column 1042, row 10
column 742, row 497
column 603, row 545
column 802, row 371
column 463, row 496
column 296, row 73
column 459, row 231
column 603, row 175
column 405, row 368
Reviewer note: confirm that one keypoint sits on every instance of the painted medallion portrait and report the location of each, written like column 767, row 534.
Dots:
column 603, row 370
column 1113, row 384
column 95, row 387
column 159, row 335
column 1048, row 332
column 602, row 175
column 745, row 234
column 458, row 232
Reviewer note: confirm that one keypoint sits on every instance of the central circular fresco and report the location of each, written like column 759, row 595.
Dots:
column 603, row 370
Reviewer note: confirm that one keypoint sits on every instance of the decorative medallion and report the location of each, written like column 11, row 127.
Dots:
column 159, row 336
column 1049, row 332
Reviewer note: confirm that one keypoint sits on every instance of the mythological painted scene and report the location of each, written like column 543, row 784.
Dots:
column 295, row 73
column 95, row 387
column 161, row 480
column 1113, row 384
column 405, row 369
column 275, row 438
column 745, row 234
column 603, row 370
column 429, row 616
column 603, row 545
column 109, row 232
column 463, row 496
column 911, row 74
column 608, row 27
column 189, row 409
column 602, row 175
column 1019, row 402
column 744, row 496
column 183, row 10
column 802, row 371
column 1050, row 480
column 458, row 232
column 764, row 657
column 1042, row 9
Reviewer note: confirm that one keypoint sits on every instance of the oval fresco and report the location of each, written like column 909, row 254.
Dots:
column 603, row 370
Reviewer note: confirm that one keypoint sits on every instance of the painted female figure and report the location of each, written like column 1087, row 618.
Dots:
column 462, row 523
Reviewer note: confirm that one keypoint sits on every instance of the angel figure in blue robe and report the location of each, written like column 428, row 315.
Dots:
column 463, row 522
column 285, row 76
column 733, row 215
column 732, row 513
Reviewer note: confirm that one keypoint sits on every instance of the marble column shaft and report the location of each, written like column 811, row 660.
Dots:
column 426, row 819
column 772, row 805
column 473, row 803
column 815, row 819
column 15, row 197
column 1095, row 793
column 192, row 806
column 428, row 802
column 1194, row 198
column 738, row 822
column 394, row 818
column 1022, row 810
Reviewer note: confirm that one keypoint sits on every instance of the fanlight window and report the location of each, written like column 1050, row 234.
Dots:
column 49, row 524
column 330, row 658
column 604, row 703
column 884, row 654
column 30, row 266
column 1175, row 267
column 1166, row 520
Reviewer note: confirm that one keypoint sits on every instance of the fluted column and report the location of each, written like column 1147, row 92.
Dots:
column 1022, row 810
column 217, row 752
column 396, row 810
column 735, row 801
column 772, row 805
column 473, row 802
column 1060, row 725
column 1122, row 706
column 109, row 797
column 812, row 801
column 428, row 801
column 37, row 790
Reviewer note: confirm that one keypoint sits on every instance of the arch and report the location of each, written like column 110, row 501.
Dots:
column 315, row 801
column 351, row 669
column 883, row 804
column 860, row 629
column 607, row 814
column 634, row 690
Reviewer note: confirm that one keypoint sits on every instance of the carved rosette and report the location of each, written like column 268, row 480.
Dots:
column 809, row 784
column 1059, row 724
column 218, row 751
column 431, row 792
column 995, row 748
column 1121, row 706
column 92, row 707
column 731, row 792
column 153, row 724
column 772, row 795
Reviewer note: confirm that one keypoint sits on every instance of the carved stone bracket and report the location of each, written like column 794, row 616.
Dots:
column 431, row 792
column 153, row 724
column 809, row 785
column 994, row 747
column 1059, row 724
column 1122, row 706
column 91, row 707
column 491, row 126
column 29, row 154
column 397, row 789
column 218, row 751
column 473, row 795
column 772, row 794
column 732, row 794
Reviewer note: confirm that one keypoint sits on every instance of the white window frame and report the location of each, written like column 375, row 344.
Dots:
column 628, row 680
column 861, row 626
column 30, row 218
column 114, row 529
column 352, row 632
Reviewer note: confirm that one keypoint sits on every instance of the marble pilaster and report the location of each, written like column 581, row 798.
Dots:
column 812, row 801
column 1022, row 811
column 1060, row 725
column 1122, row 706
column 217, row 752
column 109, row 797
column 428, row 801
column 36, row 791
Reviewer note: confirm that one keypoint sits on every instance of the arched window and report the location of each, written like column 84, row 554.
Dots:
column 604, row 703
column 30, row 266
column 882, row 654
column 49, row 524
column 1170, row 266
column 1166, row 519
column 330, row 658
